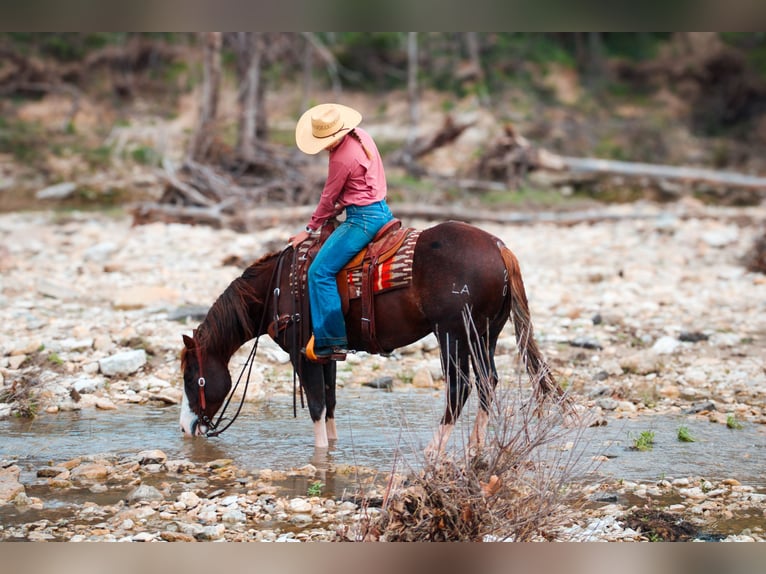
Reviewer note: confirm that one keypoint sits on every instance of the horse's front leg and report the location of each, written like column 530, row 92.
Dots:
column 313, row 384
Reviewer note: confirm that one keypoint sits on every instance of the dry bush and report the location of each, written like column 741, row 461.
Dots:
column 517, row 488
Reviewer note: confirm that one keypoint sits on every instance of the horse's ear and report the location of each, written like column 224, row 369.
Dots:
column 188, row 341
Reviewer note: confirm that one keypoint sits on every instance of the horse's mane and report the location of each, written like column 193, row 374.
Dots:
column 229, row 321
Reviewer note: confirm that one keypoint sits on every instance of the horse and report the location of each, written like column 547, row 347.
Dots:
column 465, row 285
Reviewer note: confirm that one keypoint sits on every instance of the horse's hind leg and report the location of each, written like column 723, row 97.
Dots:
column 485, row 371
column 456, row 366
column 330, row 371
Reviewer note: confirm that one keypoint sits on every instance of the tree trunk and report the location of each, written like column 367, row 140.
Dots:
column 249, row 68
column 412, row 97
column 329, row 59
column 208, row 110
column 474, row 56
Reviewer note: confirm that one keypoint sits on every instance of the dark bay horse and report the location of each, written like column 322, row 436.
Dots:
column 461, row 275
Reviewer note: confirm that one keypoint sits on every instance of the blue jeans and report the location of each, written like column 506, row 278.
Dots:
column 351, row 236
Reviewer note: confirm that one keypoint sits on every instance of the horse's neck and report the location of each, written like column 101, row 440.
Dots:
column 237, row 316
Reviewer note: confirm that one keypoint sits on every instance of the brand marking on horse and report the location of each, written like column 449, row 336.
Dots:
column 464, row 291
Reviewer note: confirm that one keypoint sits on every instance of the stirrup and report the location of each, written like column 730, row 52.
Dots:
column 312, row 356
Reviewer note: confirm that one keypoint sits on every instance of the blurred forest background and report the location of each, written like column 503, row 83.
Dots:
column 199, row 127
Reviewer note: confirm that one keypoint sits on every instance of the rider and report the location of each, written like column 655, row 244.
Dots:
column 355, row 182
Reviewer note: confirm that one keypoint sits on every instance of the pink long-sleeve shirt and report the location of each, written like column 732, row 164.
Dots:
column 352, row 178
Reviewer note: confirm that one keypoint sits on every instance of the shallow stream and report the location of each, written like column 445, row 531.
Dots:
column 376, row 428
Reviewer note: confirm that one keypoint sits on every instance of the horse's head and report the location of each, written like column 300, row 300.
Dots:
column 206, row 384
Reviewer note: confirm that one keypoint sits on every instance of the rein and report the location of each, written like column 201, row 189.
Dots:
column 213, row 426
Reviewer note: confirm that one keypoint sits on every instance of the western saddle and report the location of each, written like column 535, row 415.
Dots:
column 381, row 249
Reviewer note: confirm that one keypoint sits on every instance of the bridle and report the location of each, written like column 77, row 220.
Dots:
column 212, row 426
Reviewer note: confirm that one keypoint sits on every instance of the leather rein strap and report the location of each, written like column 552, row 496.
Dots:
column 214, row 430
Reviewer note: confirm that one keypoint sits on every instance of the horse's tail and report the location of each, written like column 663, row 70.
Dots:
column 530, row 353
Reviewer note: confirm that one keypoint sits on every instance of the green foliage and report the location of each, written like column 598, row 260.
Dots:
column 315, row 488
column 684, row 435
column 732, row 422
column 753, row 44
column 98, row 157
column 644, row 441
column 635, row 46
column 145, row 155
column 23, row 140
column 55, row 359
column 64, row 46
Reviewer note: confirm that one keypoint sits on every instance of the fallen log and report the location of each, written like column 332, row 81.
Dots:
column 658, row 171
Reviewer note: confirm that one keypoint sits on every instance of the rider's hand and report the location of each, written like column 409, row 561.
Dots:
column 296, row 240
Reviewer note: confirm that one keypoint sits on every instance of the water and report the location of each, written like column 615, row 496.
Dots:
column 375, row 428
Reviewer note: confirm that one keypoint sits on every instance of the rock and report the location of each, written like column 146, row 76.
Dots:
column 666, row 345
column 422, row 379
column 56, row 291
column 692, row 336
column 10, row 487
column 234, row 516
column 105, row 404
column 143, row 296
column 384, row 383
column 86, row 385
column 144, row 492
column 58, row 191
column 170, row 396
column 89, row 471
column 585, row 343
column 53, row 471
column 188, row 500
column 169, row 536
column 641, row 363
column 721, row 236
column 190, row 312
column 143, row 537
column 299, row 505
column 124, row 363
column 100, row 252
column 152, row 457
column 213, row 532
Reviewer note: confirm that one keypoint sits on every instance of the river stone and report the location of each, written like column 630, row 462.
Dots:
column 233, row 516
column 10, row 487
column 57, row 191
column 188, row 499
column 86, row 385
column 666, row 345
column 100, row 252
column 299, row 505
column 105, row 404
column 52, row 471
column 155, row 456
column 143, row 296
column 213, row 532
column 55, row 290
column 124, row 363
column 170, row 536
column 143, row 537
column 422, row 379
column 89, row 471
column 144, row 492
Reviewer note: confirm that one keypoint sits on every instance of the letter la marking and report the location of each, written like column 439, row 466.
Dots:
column 463, row 291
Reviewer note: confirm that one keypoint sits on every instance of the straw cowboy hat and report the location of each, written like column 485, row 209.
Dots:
column 323, row 125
